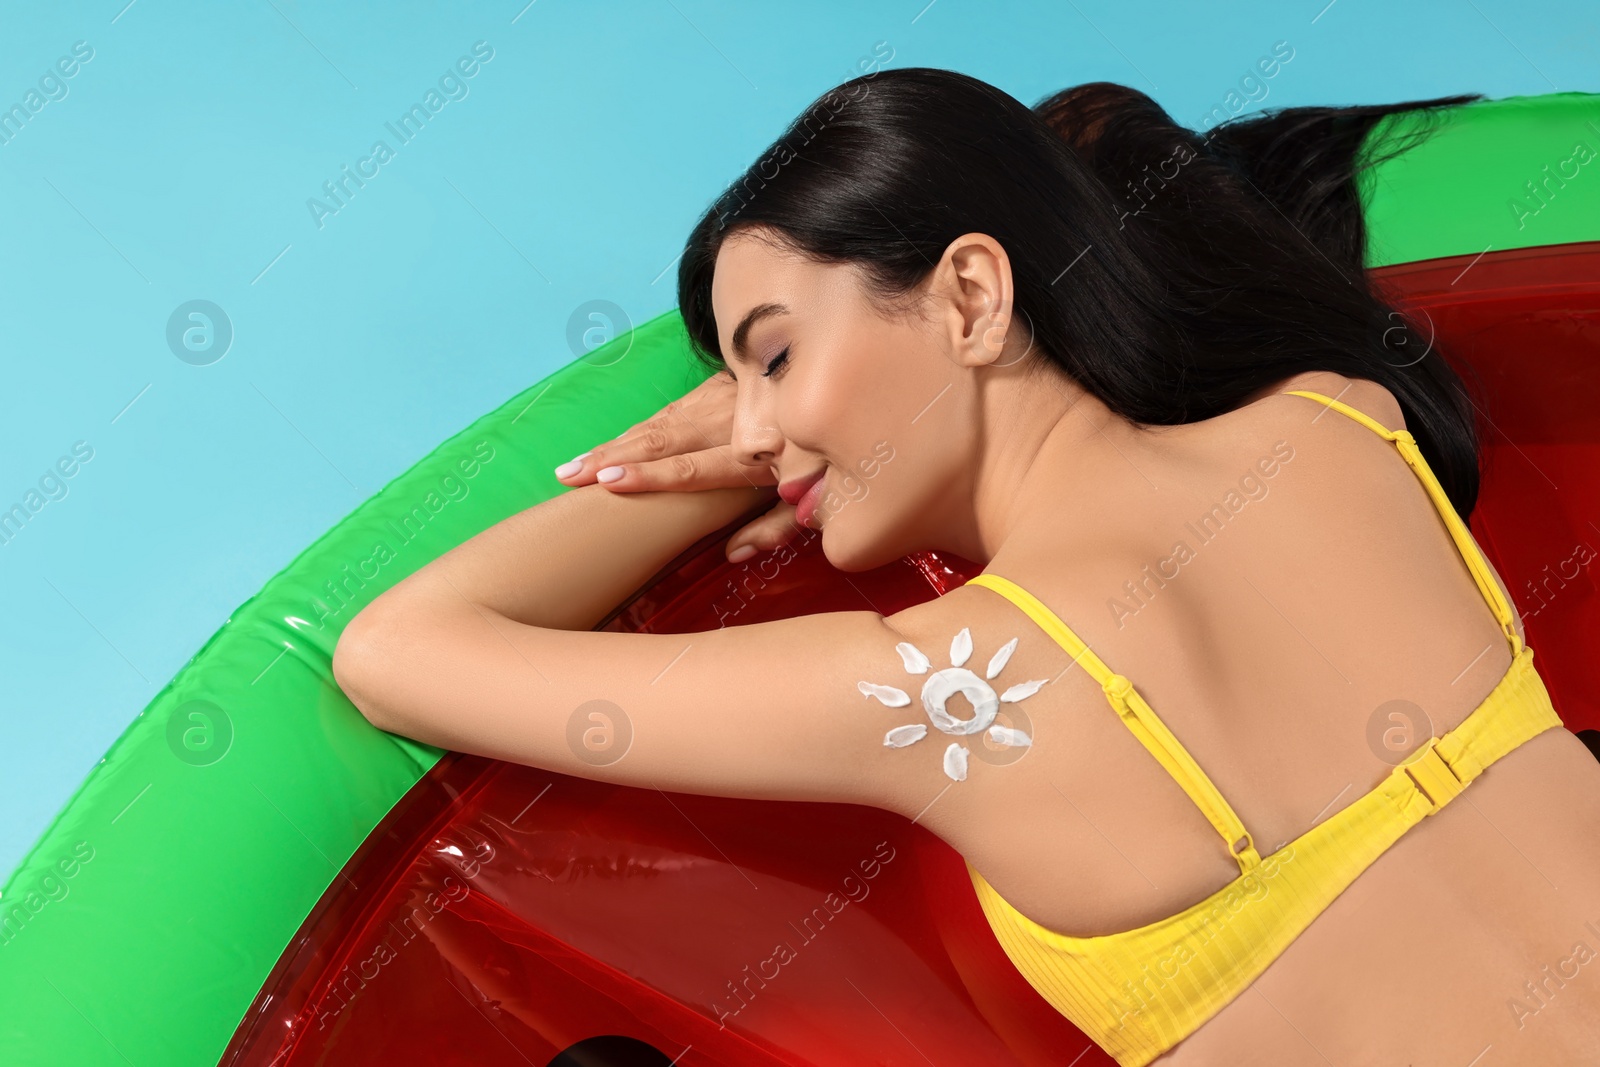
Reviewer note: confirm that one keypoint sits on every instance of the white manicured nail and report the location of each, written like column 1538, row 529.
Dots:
column 571, row 466
column 609, row 474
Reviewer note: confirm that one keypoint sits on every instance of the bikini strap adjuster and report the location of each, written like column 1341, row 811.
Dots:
column 1408, row 448
column 1434, row 778
column 1117, row 687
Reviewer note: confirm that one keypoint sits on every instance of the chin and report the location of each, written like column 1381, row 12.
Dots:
column 847, row 550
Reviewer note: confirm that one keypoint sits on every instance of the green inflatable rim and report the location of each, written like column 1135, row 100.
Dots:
column 141, row 925
column 144, row 921
column 1494, row 176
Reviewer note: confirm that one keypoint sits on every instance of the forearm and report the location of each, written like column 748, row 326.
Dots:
column 568, row 562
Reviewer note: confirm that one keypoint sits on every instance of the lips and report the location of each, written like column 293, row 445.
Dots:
column 792, row 491
column 803, row 494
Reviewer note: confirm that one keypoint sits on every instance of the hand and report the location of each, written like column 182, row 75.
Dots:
column 685, row 447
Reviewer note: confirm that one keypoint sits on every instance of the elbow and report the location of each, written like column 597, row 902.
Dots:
column 354, row 659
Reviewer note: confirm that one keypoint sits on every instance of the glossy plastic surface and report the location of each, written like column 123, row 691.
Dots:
column 554, row 909
column 1524, row 327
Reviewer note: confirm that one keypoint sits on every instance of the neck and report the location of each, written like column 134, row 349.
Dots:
column 1043, row 475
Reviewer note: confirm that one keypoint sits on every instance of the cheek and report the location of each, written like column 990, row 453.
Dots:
column 867, row 410
column 853, row 483
column 931, row 469
column 830, row 409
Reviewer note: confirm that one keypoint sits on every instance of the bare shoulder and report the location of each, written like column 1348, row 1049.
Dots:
column 1349, row 458
column 1366, row 396
column 1377, row 402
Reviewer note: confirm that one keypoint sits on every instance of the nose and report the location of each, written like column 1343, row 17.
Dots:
column 756, row 438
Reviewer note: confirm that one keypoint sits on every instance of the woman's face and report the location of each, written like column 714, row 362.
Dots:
column 886, row 411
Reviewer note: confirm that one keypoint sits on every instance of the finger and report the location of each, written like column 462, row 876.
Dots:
column 671, row 433
column 772, row 530
column 710, row 468
column 707, row 405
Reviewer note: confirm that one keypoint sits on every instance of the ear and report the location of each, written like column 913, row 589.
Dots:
column 975, row 289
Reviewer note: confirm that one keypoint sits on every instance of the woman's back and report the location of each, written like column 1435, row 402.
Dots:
column 1278, row 586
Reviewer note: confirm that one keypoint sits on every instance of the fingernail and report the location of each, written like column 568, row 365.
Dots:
column 609, row 474
column 742, row 553
column 571, row 466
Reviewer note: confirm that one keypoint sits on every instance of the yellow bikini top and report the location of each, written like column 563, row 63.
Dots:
column 1140, row 992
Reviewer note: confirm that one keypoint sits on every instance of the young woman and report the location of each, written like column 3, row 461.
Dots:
column 1291, row 790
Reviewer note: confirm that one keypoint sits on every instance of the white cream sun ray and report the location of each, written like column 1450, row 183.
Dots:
column 901, row 736
column 961, row 647
column 1005, row 735
column 955, row 761
column 999, row 660
column 891, row 697
column 1022, row 690
column 916, row 662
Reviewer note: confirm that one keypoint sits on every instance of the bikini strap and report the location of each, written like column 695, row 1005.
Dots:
column 1141, row 720
column 1504, row 614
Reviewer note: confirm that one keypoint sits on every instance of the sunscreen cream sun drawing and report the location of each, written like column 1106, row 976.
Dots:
column 944, row 683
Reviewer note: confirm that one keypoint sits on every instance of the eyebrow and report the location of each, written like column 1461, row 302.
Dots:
column 741, row 333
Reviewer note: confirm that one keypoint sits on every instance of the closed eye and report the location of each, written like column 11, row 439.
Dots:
column 782, row 358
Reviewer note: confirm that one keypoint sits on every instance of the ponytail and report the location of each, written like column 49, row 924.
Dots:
column 1289, row 175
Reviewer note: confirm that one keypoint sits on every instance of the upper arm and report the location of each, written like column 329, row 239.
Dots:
column 770, row 710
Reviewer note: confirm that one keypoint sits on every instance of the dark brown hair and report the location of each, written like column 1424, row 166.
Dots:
column 1200, row 268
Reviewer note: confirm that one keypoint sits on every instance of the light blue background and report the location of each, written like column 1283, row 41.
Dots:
column 179, row 164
